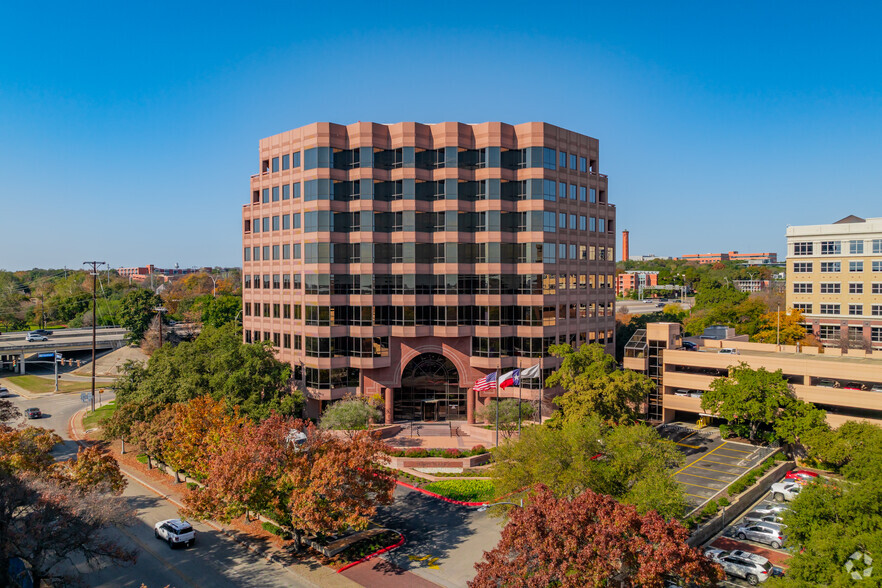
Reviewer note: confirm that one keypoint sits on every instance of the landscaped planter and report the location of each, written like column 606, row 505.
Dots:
column 439, row 462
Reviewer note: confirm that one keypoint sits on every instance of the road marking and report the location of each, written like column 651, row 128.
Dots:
column 700, row 458
column 728, row 465
column 712, row 470
column 702, row 477
column 689, row 435
column 699, row 486
column 695, row 495
column 689, row 446
column 430, row 561
column 740, row 450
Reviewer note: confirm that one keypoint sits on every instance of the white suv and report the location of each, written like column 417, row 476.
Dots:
column 787, row 490
column 175, row 532
column 741, row 564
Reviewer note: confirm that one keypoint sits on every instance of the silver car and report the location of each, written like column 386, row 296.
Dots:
column 760, row 517
column 771, row 508
column 750, row 567
column 767, row 533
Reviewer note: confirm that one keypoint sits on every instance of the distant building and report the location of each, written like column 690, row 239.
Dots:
column 141, row 274
column 776, row 285
column 634, row 280
column 749, row 258
column 649, row 257
column 834, row 276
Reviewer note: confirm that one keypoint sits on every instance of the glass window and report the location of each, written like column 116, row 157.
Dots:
column 286, row 192
column 295, row 159
column 877, row 266
column 829, row 267
column 877, row 245
column 548, row 158
column 286, row 252
column 561, row 251
column 583, row 194
column 592, row 224
column 562, row 220
column 583, row 164
column 572, row 191
column 275, row 164
column 592, row 195
column 802, row 288
column 256, row 253
column 275, row 252
column 265, row 196
column 802, row 267
column 831, row 247
column 803, row 248
column 572, row 161
column 548, row 187
column 829, row 309
column 876, row 288
column 856, row 288
column 296, row 188
column 803, row 307
column 286, row 161
column 573, row 222
column 548, row 222
column 855, row 309
column 563, row 159
column 876, row 310
column 275, row 193
column 855, row 266
column 583, row 222
column 266, row 252
column 266, row 224
column 247, row 253
column 855, row 247
column 275, row 222
column 830, row 288
column 255, row 225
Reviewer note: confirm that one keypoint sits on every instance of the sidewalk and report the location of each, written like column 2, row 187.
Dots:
column 251, row 536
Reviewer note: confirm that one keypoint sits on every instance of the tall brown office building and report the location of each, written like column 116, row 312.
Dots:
column 409, row 260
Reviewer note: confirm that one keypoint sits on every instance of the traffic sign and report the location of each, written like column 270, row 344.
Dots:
column 45, row 355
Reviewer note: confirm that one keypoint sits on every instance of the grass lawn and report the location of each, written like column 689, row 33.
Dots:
column 465, row 490
column 94, row 419
column 40, row 385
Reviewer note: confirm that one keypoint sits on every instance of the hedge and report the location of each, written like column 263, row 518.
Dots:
column 464, row 490
column 271, row 528
column 448, row 453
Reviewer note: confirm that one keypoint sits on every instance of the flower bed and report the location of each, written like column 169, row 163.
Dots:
column 450, row 453
column 464, row 490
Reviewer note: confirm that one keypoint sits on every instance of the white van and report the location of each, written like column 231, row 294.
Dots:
column 728, row 351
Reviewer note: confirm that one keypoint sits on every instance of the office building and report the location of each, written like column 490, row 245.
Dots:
column 834, row 276
column 746, row 258
column 847, row 385
column 631, row 280
column 409, row 260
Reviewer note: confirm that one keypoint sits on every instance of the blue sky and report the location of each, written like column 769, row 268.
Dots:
column 128, row 131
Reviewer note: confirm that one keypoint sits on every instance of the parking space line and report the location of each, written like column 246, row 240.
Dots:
column 699, row 486
column 689, row 446
column 695, row 495
column 713, row 470
column 741, row 450
column 702, row 477
column 729, row 465
column 689, row 435
column 700, row 458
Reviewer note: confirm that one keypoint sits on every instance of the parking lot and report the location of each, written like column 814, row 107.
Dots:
column 711, row 463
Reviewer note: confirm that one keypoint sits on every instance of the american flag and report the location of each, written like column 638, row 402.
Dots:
column 488, row 382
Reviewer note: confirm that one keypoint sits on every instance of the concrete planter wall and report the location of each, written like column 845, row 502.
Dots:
column 439, row 462
column 741, row 503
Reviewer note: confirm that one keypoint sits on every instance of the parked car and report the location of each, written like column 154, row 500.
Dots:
column 755, row 516
column 690, row 346
column 876, row 388
column 786, row 490
column 741, row 564
column 33, row 413
column 728, row 351
column 771, row 508
column 801, row 475
column 4, row 392
column 175, row 532
column 768, row 533
column 35, row 337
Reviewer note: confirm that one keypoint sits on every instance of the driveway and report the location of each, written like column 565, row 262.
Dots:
column 444, row 541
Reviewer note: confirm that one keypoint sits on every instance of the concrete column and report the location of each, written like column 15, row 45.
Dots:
column 470, row 406
column 390, row 405
column 22, row 364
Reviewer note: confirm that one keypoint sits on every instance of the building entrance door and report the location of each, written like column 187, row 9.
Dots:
column 430, row 390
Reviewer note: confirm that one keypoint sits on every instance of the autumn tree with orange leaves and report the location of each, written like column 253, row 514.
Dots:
column 201, row 426
column 591, row 540
column 326, row 484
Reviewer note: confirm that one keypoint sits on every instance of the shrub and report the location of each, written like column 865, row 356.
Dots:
column 271, row 528
column 192, row 485
column 142, row 458
column 725, row 433
column 723, row 501
column 478, row 450
column 416, row 452
column 710, row 509
column 464, row 490
column 451, row 453
column 353, row 414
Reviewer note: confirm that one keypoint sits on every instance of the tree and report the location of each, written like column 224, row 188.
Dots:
column 509, row 417
column 594, row 385
column 8, row 412
column 629, row 462
column 590, row 540
column 220, row 310
column 759, row 401
column 781, row 327
column 136, row 312
column 350, row 414
column 93, row 470
column 219, row 364
column 201, row 426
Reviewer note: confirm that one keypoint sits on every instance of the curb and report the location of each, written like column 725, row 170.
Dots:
column 444, row 498
column 374, row 554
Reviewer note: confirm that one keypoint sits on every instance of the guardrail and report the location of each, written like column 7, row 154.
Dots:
column 50, row 345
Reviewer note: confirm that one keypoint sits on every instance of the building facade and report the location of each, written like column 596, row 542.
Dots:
column 631, row 280
column 834, row 276
column 748, row 258
column 846, row 385
column 410, row 260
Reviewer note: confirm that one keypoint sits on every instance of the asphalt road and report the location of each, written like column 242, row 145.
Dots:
column 444, row 541
column 215, row 560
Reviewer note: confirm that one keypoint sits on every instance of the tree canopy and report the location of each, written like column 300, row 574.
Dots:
column 508, row 414
column 786, row 328
column 137, row 310
column 590, row 540
column 760, row 404
column 593, row 384
column 350, row 414
column 629, row 462
column 216, row 363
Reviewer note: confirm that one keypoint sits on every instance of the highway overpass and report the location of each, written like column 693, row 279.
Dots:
column 14, row 347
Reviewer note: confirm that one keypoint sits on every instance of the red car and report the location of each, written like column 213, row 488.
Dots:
column 801, row 475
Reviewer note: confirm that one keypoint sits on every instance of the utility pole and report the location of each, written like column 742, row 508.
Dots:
column 159, row 310
column 94, row 273
column 778, row 329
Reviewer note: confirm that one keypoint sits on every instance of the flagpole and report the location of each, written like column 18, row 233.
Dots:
column 497, row 403
column 519, row 409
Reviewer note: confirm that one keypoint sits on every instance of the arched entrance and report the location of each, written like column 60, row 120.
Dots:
column 430, row 390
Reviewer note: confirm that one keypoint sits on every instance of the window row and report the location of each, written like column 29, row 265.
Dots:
column 433, row 284
column 852, row 247
column 286, row 161
column 834, row 332
column 534, row 346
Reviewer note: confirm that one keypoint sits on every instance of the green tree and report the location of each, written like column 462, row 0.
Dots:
column 594, row 385
column 217, row 311
column 761, row 402
column 136, row 312
column 219, row 364
column 508, row 414
column 352, row 414
column 629, row 462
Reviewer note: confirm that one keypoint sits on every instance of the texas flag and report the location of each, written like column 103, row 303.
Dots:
column 512, row 378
